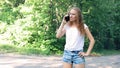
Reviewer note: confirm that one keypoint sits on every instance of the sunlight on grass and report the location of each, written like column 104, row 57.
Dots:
column 7, row 49
column 38, row 51
column 20, row 50
column 4, row 35
column 26, row 9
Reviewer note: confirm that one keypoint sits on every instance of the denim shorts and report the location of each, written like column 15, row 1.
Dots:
column 73, row 57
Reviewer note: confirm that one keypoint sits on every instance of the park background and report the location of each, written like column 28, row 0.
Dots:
column 29, row 26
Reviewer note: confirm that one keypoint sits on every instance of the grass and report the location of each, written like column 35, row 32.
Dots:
column 20, row 50
column 106, row 53
column 110, row 52
column 34, row 51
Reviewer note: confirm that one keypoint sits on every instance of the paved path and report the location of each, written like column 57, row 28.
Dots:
column 23, row 61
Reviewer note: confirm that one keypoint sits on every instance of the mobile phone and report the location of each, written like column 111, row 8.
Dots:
column 67, row 18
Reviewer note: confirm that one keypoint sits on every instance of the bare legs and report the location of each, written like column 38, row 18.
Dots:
column 67, row 65
column 80, row 66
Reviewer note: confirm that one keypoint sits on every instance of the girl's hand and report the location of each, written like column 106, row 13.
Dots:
column 83, row 54
column 64, row 21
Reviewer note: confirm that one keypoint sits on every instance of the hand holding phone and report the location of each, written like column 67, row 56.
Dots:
column 67, row 18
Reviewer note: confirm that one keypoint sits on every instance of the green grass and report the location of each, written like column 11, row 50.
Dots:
column 20, row 50
column 109, row 52
column 34, row 51
column 106, row 53
column 7, row 49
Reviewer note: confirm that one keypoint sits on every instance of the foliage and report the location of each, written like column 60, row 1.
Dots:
column 33, row 23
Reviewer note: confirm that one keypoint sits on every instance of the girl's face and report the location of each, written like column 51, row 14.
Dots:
column 73, row 15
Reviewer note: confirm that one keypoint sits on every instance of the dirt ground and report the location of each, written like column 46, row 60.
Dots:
column 24, row 61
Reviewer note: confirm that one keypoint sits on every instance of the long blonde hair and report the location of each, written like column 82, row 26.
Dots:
column 79, row 23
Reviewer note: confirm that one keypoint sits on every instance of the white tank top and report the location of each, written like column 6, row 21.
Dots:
column 74, row 40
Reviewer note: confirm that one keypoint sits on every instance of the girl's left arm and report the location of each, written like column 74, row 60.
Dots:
column 92, row 41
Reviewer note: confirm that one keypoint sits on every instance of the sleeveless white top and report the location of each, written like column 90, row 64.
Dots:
column 74, row 40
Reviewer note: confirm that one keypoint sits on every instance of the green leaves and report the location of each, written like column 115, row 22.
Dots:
column 33, row 23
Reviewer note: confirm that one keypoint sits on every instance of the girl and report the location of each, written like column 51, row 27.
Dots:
column 75, row 31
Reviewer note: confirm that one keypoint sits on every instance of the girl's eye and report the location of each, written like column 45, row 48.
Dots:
column 71, row 14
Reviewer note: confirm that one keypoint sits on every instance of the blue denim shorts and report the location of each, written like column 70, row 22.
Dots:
column 73, row 57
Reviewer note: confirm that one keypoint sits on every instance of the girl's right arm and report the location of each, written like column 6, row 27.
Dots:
column 61, row 30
